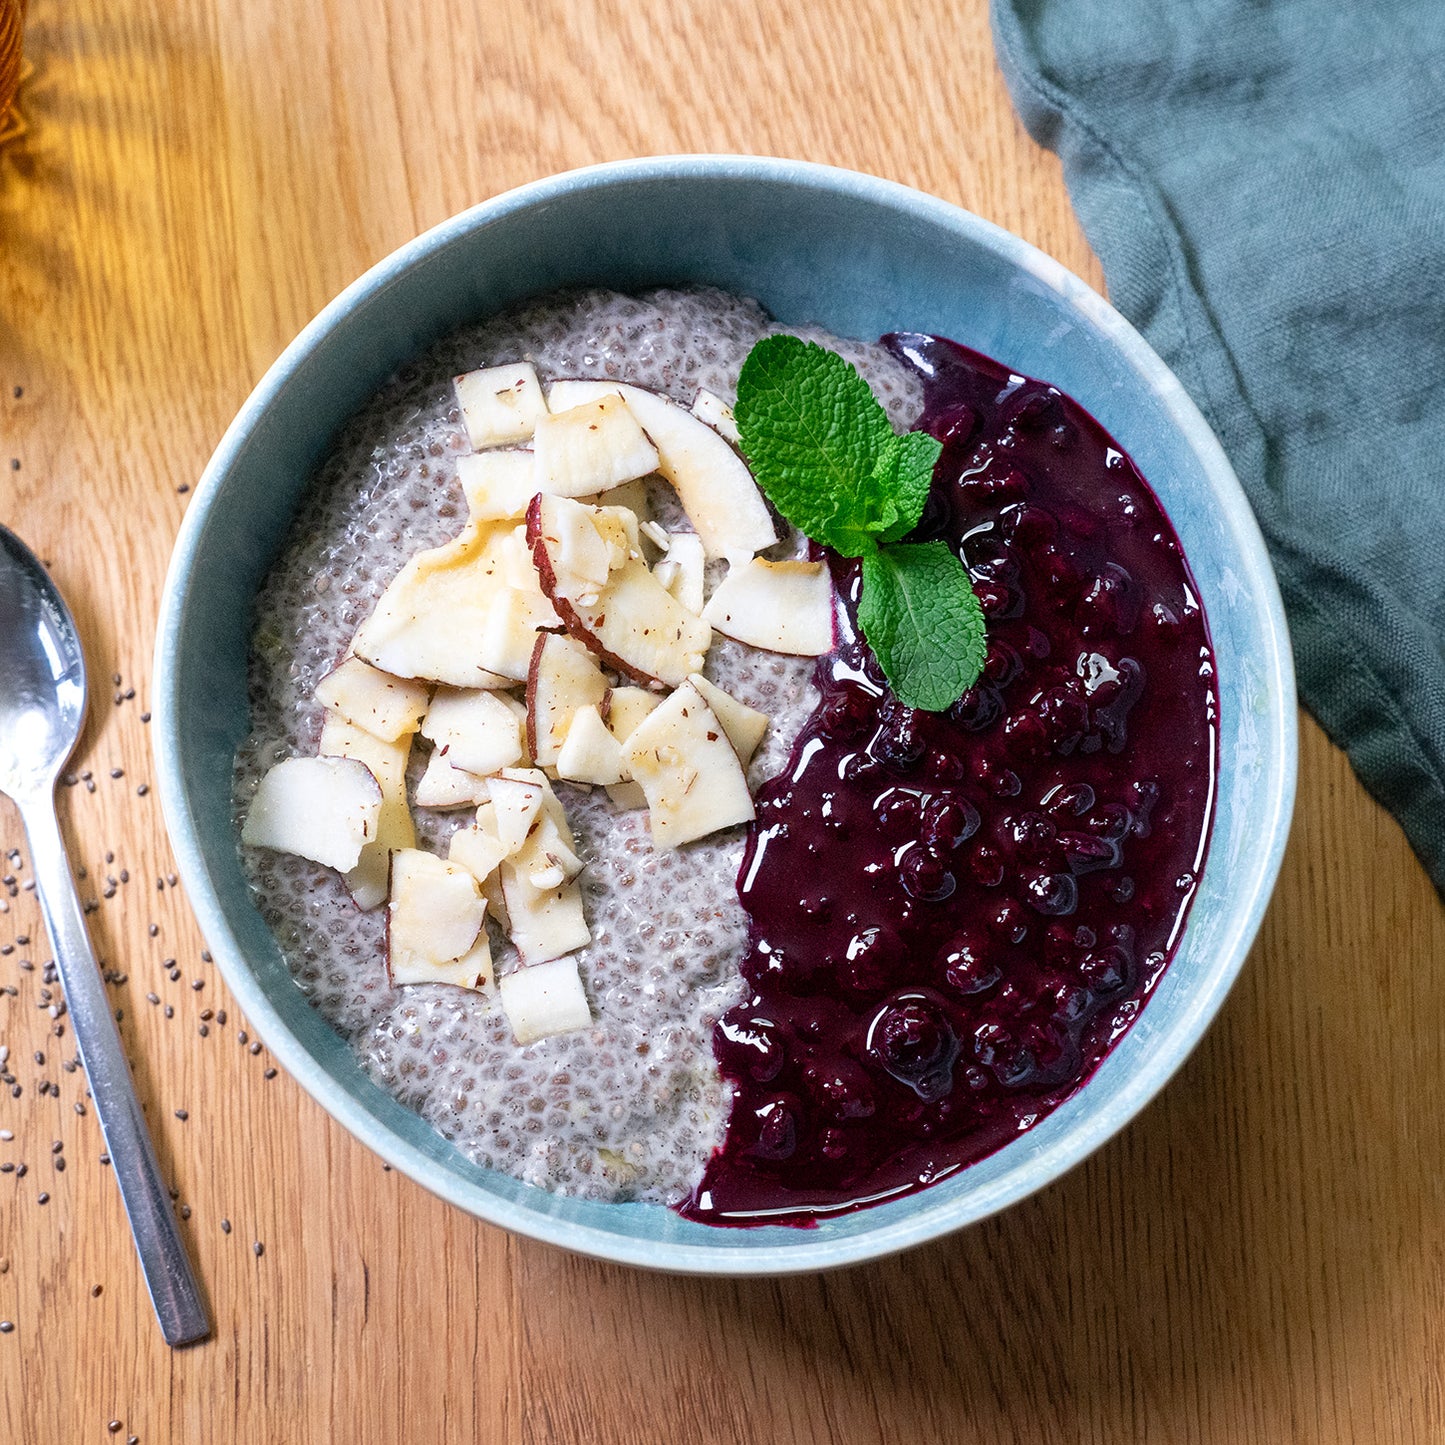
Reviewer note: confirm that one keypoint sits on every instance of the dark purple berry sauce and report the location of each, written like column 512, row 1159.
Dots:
column 954, row 916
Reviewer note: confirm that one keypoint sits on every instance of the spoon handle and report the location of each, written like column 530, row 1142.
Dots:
column 172, row 1284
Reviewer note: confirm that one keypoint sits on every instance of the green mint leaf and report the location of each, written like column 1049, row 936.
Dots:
column 813, row 433
column 923, row 622
column 909, row 463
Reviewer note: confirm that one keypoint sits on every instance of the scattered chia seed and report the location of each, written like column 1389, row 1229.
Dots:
column 110, row 857
column 42, row 1198
column 145, row 717
column 204, row 1030
column 258, row 1249
column 207, row 1015
column 7, row 1167
column 57, row 1146
column 21, row 1170
column 153, row 929
column 205, row 957
column 183, row 488
column 6, row 1326
column 79, row 1107
column 256, row 1047
column 269, row 1074
column 60, row 1165
column 142, row 790
column 115, row 773
column 174, row 975
column 242, row 1036
column 185, row 1211
column 114, row 1427
column 182, row 1115
column 115, row 679
column 225, row 1226
column 198, row 984
column 124, row 875
column 170, row 1012
column 221, row 1017
column 95, row 1290
column 105, row 1159
column 153, row 998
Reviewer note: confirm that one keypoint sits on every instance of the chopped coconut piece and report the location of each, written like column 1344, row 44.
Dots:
column 683, row 570
column 713, row 483
column 564, row 677
column 591, row 447
column 745, row 726
column 501, row 405
column 434, row 926
column 780, row 606
column 626, row 707
column 688, row 769
column 384, row 705
column 498, row 485
column 324, row 809
column 545, row 999
column 394, row 829
column 709, row 407
column 442, row 786
column 475, row 731
column 591, row 753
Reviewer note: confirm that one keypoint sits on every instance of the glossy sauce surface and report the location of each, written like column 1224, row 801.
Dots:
column 954, row 916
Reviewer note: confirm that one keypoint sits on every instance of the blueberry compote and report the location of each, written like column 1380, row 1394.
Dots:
column 954, row 916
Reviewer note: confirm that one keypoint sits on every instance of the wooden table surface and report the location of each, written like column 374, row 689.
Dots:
column 1258, row 1258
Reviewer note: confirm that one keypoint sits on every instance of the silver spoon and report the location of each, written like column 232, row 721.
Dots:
column 42, row 709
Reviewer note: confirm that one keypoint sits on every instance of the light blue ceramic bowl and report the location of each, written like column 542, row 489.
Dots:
column 860, row 256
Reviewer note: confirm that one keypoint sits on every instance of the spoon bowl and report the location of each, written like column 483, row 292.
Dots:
column 42, row 712
column 42, row 705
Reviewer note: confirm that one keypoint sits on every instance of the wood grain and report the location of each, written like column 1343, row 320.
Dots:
column 1257, row 1258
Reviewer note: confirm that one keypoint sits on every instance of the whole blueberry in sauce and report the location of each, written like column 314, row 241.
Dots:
column 1020, row 866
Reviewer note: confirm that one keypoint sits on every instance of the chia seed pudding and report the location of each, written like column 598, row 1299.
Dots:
column 632, row 1108
column 938, row 924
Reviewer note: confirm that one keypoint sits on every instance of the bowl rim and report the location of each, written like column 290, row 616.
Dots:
column 1274, row 805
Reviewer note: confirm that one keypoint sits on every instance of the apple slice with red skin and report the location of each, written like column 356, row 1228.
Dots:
column 635, row 625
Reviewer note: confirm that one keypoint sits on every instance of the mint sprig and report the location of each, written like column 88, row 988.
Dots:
column 826, row 455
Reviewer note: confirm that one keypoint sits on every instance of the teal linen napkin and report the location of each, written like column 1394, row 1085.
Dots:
column 1264, row 182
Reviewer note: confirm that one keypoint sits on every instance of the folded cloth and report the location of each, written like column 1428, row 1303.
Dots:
column 1264, row 182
